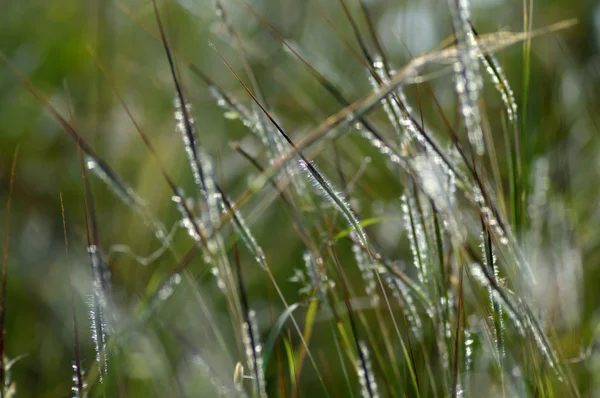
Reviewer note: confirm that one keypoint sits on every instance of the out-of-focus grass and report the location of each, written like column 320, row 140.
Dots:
column 406, row 309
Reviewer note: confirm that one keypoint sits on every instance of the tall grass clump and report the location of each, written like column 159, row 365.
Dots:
column 284, row 199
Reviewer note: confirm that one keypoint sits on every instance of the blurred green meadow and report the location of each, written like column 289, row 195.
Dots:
column 389, row 277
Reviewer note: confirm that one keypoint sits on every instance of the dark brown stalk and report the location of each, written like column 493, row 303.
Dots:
column 73, row 313
column 5, row 274
column 457, row 332
column 346, row 293
column 357, row 34
column 375, row 38
column 246, row 311
column 187, row 121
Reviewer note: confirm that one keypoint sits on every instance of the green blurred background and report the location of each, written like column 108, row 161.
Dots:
column 49, row 42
